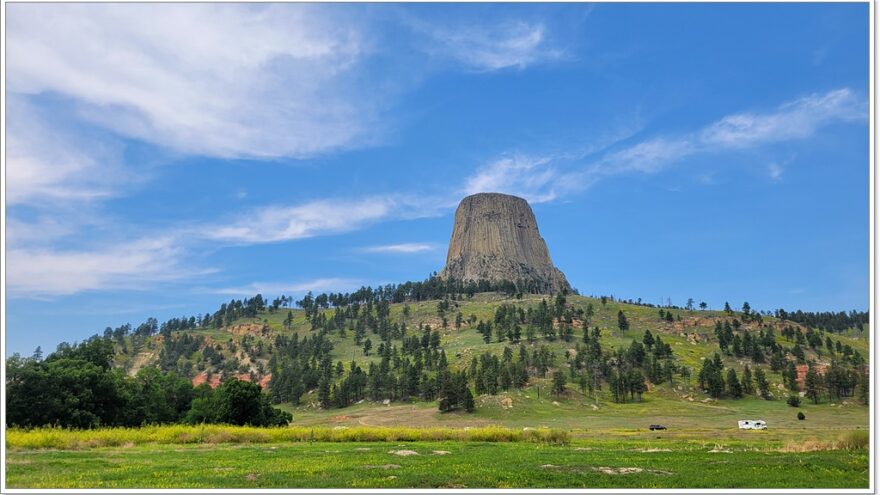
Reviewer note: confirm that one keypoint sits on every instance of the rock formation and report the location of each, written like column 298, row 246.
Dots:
column 495, row 238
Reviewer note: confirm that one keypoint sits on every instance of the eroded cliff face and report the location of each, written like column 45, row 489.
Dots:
column 495, row 237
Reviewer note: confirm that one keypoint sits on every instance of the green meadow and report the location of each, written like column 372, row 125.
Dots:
column 489, row 458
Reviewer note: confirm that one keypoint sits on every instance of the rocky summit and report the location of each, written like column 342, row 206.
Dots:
column 496, row 238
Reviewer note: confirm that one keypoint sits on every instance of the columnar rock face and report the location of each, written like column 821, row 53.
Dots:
column 496, row 238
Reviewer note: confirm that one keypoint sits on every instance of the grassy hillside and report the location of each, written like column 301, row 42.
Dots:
column 690, row 334
column 466, row 341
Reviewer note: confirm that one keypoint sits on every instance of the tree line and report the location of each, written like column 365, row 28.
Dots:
column 76, row 387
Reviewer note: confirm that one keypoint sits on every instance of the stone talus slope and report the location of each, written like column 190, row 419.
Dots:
column 495, row 237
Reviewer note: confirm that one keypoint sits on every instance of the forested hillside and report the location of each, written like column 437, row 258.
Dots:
column 449, row 342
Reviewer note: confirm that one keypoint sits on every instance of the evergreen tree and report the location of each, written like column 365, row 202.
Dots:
column 558, row 382
column 622, row 322
column 813, row 385
column 762, row 383
column 790, row 377
column 864, row 388
column 324, row 393
column 734, row 388
column 469, row 404
column 748, row 386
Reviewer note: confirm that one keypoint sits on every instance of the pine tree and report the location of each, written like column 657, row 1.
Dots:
column 324, row 393
column 747, row 386
column 763, row 384
column 558, row 382
column 711, row 378
column 864, row 388
column 469, row 404
column 790, row 377
column 733, row 386
column 813, row 385
column 622, row 322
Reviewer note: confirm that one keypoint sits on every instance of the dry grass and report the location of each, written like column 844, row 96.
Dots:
column 58, row 438
column 852, row 440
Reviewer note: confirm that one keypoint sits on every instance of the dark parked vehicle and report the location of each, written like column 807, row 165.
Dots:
column 656, row 427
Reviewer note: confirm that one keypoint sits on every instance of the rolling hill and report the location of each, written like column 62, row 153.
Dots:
column 246, row 347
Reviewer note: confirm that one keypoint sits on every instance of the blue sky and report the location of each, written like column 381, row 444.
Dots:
column 713, row 151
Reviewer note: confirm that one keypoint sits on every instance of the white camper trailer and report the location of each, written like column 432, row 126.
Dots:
column 752, row 424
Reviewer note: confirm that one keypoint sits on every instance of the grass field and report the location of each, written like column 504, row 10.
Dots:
column 728, row 459
column 518, row 409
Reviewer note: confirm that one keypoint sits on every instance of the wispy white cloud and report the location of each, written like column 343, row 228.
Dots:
column 404, row 248
column 491, row 46
column 795, row 120
column 774, row 170
column 543, row 177
column 531, row 177
column 42, row 229
column 798, row 119
column 37, row 268
column 284, row 223
column 47, row 165
column 548, row 177
column 224, row 80
column 321, row 217
column 217, row 80
column 280, row 288
column 46, row 272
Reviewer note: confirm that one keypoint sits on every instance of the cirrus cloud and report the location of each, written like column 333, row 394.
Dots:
column 403, row 248
column 226, row 80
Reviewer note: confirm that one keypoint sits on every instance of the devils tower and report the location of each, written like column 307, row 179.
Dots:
column 495, row 238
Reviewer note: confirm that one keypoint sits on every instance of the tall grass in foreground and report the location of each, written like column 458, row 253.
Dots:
column 59, row 438
column 851, row 440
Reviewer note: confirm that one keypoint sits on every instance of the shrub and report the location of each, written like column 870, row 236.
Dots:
column 794, row 401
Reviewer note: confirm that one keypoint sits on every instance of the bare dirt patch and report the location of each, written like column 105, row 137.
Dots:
column 403, row 453
column 628, row 470
column 620, row 470
column 440, row 452
column 383, row 466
